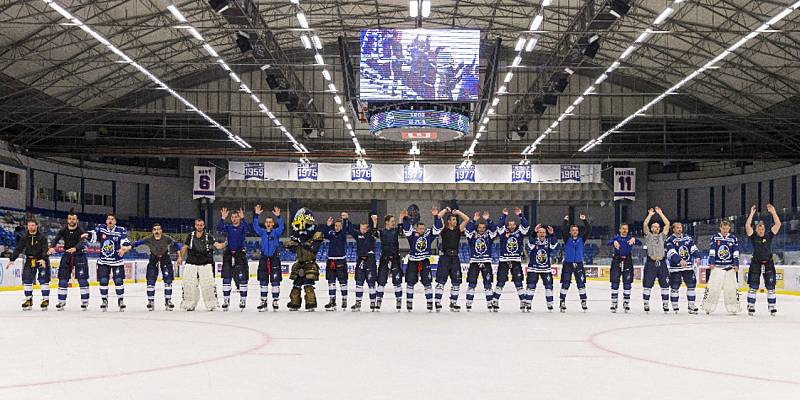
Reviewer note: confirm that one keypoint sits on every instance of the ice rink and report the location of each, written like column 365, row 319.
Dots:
column 390, row 355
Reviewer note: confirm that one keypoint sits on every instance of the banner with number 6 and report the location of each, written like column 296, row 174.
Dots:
column 204, row 183
column 624, row 184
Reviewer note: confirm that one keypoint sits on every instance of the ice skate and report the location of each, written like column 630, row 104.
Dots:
column 562, row 306
column 45, row 304
column 150, row 305
column 104, row 305
column 344, row 304
column 121, row 305
column 242, row 305
column 263, row 306
column 469, row 307
column 356, row 307
column 168, row 305
column 454, row 307
column 409, row 305
column 226, row 304
column 429, row 306
column 751, row 309
column 665, row 307
column 495, row 305
column 528, row 306
column 692, row 310
column 27, row 304
column 773, row 310
column 584, row 306
column 378, row 305
column 647, row 308
column 438, row 306
column 84, row 306
column 372, row 306
column 549, row 307
column 626, row 306
column 331, row 306
column 60, row 306
column 275, row 305
column 613, row 308
column 399, row 304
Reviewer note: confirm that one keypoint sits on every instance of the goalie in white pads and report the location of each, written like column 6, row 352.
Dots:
column 762, row 261
column 198, row 274
column 723, row 261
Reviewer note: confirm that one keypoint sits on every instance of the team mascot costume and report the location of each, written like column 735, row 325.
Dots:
column 305, row 242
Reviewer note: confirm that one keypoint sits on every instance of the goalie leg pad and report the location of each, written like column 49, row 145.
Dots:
column 207, row 286
column 731, row 292
column 191, row 294
column 713, row 290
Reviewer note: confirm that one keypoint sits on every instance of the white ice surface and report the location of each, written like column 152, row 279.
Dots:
column 391, row 355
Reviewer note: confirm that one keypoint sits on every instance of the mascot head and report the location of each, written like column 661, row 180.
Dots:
column 303, row 224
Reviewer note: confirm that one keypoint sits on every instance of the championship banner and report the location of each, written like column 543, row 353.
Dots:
column 360, row 173
column 307, row 172
column 400, row 173
column 624, row 184
column 465, row 174
column 204, row 183
column 413, row 174
column 521, row 174
column 571, row 173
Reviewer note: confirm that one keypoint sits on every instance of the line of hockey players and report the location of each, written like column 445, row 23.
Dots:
column 671, row 260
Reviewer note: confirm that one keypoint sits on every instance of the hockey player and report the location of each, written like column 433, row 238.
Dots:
column 305, row 241
column 622, row 267
column 269, row 264
column 390, row 261
column 480, row 236
column 420, row 239
column 160, row 246
column 234, row 259
column 573, row 240
column 723, row 261
column 114, row 244
column 366, row 270
column 655, row 266
column 33, row 245
column 681, row 254
column 512, row 244
column 198, row 274
column 336, row 266
column 762, row 262
column 74, row 258
column 449, row 265
column 541, row 248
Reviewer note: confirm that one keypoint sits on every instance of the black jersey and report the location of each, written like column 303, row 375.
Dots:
column 451, row 239
column 762, row 246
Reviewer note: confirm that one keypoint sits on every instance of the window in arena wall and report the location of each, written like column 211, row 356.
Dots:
column 2, row 179
column 44, row 194
column 11, row 180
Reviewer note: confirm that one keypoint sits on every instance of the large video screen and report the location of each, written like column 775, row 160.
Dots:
column 419, row 64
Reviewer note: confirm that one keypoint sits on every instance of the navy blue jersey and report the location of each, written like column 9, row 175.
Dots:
column 365, row 242
column 625, row 248
column 390, row 241
column 111, row 240
column 540, row 252
column 512, row 244
column 681, row 248
column 337, row 247
column 235, row 234
column 420, row 245
column 480, row 244
column 723, row 251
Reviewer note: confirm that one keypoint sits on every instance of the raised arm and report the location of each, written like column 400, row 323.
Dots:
column 464, row 220
column 565, row 229
column 222, row 226
column 748, row 225
column 646, row 225
column 587, row 227
column 664, row 219
column 524, row 225
column 437, row 222
column 776, row 220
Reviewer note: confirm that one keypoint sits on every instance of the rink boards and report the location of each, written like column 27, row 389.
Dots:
column 788, row 276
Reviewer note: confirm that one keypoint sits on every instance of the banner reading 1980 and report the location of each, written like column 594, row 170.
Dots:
column 402, row 173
